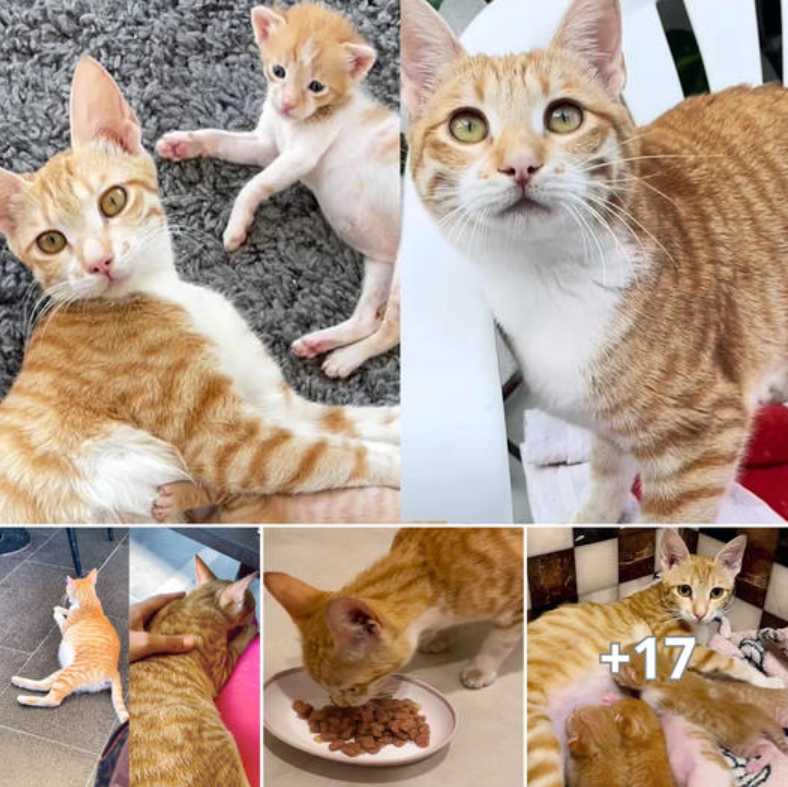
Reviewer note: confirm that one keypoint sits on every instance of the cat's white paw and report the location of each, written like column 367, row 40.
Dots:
column 179, row 145
column 235, row 234
column 476, row 678
column 306, row 347
column 344, row 361
column 165, row 506
column 597, row 513
column 434, row 641
column 771, row 683
column 20, row 683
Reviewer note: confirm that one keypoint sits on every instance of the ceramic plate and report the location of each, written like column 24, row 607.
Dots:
column 286, row 687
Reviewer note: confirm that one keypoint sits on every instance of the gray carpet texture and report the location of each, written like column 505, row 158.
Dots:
column 186, row 64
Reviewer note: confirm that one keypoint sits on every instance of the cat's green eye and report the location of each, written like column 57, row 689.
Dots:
column 717, row 592
column 279, row 72
column 468, row 126
column 51, row 241
column 113, row 201
column 564, row 117
column 316, row 87
column 684, row 590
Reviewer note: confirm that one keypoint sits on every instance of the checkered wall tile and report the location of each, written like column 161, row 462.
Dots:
column 604, row 564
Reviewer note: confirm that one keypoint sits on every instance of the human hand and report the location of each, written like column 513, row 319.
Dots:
column 141, row 642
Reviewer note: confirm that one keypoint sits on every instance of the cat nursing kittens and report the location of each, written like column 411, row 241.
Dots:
column 320, row 127
column 432, row 578
column 137, row 379
column 89, row 652
column 638, row 273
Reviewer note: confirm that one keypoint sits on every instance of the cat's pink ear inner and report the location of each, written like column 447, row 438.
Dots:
column 353, row 624
column 11, row 189
column 299, row 599
column 672, row 551
column 202, row 573
column 730, row 557
column 361, row 57
column 265, row 22
column 236, row 593
column 93, row 575
column 591, row 29
column 69, row 583
column 427, row 46
column 99, row 111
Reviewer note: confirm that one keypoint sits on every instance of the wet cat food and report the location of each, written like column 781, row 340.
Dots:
column 384, row 721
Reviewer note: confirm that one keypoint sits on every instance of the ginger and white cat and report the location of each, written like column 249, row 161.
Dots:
column 88, row 654
column 432, row 578
column 693, row 591
column 639, row 273
column 321, row 128
column 137, row 379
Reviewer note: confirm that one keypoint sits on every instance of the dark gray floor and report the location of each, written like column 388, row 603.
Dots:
column 56, row 747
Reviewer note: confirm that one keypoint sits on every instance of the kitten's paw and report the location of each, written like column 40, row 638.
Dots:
column 475, row 678
column 434, row 641
column 773, row 683
column 235, row 235
column 597, row 513
column 123, row 717
column 343, row 362
column 179, row 145
column 306, row 347
column 165, row 506
column 20, row 683
column 609, row 699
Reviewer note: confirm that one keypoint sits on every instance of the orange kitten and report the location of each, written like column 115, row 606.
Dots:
column 596, row 749
column 639, row 274
column 88, row 654
column 137, row 378
column 319, row 125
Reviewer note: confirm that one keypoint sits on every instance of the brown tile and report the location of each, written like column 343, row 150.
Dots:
column 772, row 621
column 551, row 578
column 763, row 538
column 690, row 536
column 753, row 580
column 636, row 553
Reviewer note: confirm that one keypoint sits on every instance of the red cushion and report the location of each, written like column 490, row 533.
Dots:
column 239, row 706
column 769, row 442
column 771, row 485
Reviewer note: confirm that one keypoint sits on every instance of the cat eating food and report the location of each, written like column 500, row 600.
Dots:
column 321, row 128
column 136, row 378
column 88, row 654
column 177, row 734
column 431, row 578
column 638, row 273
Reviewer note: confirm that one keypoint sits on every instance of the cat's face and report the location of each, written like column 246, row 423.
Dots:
column 696, row 588
column 522, row 145
column 312, row 57
column 88, row 222
column 348, row 647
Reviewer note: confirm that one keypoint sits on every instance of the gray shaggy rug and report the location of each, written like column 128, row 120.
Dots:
column 193, row 64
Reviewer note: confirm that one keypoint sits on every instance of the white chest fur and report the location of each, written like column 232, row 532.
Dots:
column 555, row 305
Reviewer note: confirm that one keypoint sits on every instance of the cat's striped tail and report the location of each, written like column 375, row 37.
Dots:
column 117, row 698
column 545, row 758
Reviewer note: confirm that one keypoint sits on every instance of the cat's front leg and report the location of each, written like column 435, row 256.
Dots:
column 238, row 147
column 612, row 474
column 498, row 644
column 284, row 170
column 710, row 662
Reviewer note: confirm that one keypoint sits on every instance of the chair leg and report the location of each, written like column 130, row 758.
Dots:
column 111, row 533
column 72, row 542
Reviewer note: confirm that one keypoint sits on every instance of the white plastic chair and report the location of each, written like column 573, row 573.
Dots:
column 454, row 454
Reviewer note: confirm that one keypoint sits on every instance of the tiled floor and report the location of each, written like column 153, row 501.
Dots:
column 491, row 719
column 56, row 747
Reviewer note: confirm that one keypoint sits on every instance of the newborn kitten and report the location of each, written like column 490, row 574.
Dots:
column 644, row 745
column 597, row 757
column 321, row 128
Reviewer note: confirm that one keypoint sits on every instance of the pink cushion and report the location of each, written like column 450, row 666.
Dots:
column 239, row 706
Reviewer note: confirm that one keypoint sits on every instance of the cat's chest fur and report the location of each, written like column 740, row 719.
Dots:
column 557, row 309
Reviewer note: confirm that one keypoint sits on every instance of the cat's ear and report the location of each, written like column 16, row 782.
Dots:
column 265, row 22
column 93, row 575
column 672, row 551
column 427, row 46
column 591, row 29
column 234, row 595
column 99, row 111
column 360, row 58
column 202, row 573
column 353, row 624
column 12, row 187
column 576, row 746
column 299, row 599
column 730, row 557
column 70, row 583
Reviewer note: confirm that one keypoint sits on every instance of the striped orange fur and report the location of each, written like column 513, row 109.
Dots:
column 431, row 578
column 135, row 378
column 177, row 736
column 89, row 652
column 581, row 632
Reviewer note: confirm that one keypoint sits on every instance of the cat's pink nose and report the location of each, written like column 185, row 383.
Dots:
column 521, row 171
column 287, row 107
column 101, row 266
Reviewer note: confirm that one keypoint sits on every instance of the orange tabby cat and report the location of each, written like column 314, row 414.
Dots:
column 89, row 652
column 177, row 736
column 639, row 273
column 596, row 749
column 137, row 378
column 430, row 579
column 644, row 745
column 564, row 644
